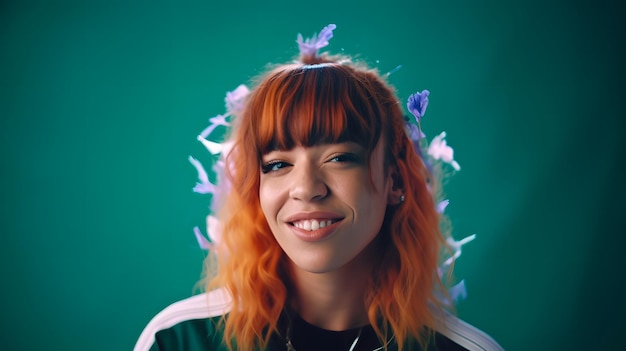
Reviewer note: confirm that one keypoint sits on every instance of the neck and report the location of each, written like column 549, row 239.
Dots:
column 334, row 300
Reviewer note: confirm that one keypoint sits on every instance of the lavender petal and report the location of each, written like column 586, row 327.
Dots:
column 202, row 175
column 202, row 241
column 441, row 206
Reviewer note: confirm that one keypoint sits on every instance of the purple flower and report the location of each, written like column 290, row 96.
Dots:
column 455, row 246
column 214, row 231
column 439, row 150
column 414, row 133
column 417, row 104
column 219, row 120
column 458, row 292
column 441, row 206
column 235, row 99
column 204, row 186
column 202, row 240
column 310, row 46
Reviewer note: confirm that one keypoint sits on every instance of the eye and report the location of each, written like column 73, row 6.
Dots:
column 345, row 158
column 273, row 166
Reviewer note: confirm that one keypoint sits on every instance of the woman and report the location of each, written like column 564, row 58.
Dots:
column 331, row 236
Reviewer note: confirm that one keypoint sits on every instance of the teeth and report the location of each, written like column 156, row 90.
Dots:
column 312, row 224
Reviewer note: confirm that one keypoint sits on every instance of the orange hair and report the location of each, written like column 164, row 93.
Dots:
column 307, row 104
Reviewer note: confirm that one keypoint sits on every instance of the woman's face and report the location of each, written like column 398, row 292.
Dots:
column 322, row 203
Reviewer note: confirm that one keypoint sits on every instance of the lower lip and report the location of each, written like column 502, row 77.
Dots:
column 314, row 235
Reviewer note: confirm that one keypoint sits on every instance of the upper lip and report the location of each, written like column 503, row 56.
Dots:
column 300, row 216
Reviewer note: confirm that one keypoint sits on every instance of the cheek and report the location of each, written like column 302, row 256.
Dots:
column 267, row 199
column 377, row 183
column 263, row 198
column 366, row 195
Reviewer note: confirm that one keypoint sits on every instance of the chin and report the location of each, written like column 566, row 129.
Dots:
column 315, row 265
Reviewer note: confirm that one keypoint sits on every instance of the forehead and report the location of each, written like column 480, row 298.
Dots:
column 311, row 106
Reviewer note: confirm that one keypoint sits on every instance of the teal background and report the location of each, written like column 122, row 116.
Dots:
column 101, row 101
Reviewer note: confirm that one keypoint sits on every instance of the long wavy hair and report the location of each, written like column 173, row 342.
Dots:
column 326, row 101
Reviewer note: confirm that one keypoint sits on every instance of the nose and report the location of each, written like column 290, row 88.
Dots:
column 307, row 184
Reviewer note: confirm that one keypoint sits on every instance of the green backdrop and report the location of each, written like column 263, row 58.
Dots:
column 101, row 101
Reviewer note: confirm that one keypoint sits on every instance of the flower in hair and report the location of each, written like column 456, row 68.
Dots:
column 204, row 186
column 458, row 291
column 455, row 246
column 234, row 105
column 439, row 150
column 417, row 104
column 415, row 133
column 310, row 46
column 441, row 206
column 203, row 242
column 235, row 99
column 214, row 229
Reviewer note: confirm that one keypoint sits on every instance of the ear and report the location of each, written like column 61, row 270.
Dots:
column 396, row 192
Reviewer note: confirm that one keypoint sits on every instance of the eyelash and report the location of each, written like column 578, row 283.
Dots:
column 346, row 157
column 274, row 166
column 268, row 167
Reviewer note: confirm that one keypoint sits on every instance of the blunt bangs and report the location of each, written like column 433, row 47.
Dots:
column 315, row 104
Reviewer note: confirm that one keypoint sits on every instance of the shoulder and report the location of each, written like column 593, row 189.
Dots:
column 465, row 335
column 192, row 314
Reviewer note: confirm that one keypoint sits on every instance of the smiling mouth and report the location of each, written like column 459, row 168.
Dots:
column 313, row 224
